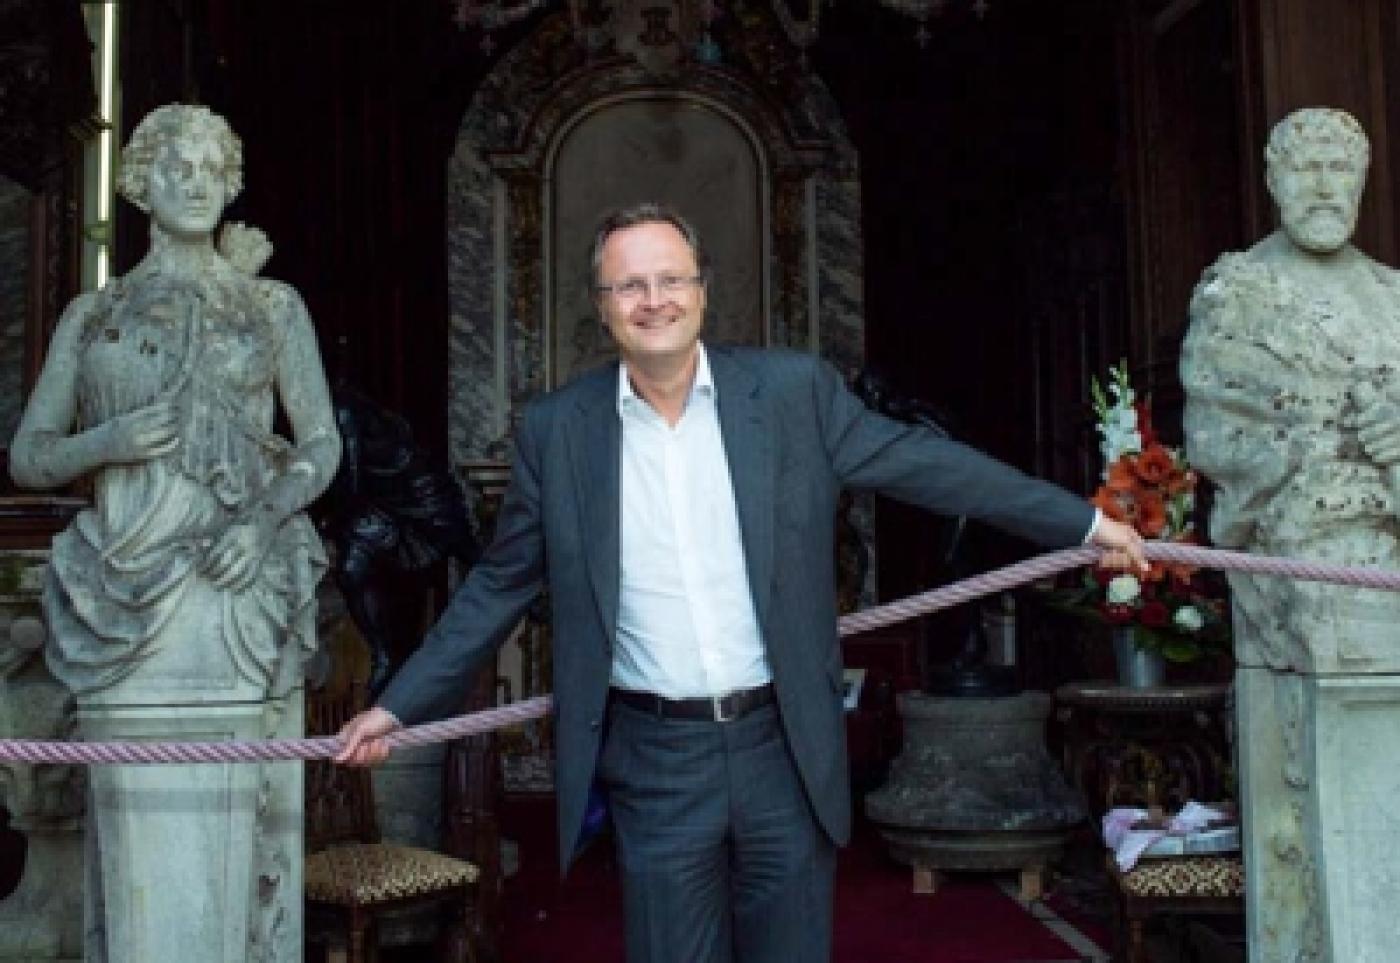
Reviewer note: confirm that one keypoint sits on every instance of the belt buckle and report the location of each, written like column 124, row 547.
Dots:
column 717, row 703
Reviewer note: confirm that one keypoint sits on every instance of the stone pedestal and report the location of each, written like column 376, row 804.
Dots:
column 197, row 863
column 975, row 789
column 1319, row 783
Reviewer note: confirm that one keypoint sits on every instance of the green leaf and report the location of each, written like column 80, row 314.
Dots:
column 1180, row 650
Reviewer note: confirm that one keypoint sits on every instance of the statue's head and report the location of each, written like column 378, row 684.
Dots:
column 1316, row 168
column 183, row 166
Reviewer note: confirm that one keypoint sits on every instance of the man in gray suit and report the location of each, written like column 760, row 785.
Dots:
column 680, row 506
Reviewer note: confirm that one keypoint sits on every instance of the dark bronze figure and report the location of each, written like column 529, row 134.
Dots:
column 392, row 509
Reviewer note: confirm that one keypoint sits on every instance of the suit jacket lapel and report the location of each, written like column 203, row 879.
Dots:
column 744, row 422
column 595, row 440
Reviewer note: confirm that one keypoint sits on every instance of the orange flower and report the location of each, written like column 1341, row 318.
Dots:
column 1121, row 476
column 1181, row 481
column 1151, row 514
column 1116, row 504
column 1154, row 465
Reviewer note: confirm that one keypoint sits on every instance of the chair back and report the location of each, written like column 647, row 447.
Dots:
column 339, row 799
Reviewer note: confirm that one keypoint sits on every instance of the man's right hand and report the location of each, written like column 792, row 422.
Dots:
column 363, row 738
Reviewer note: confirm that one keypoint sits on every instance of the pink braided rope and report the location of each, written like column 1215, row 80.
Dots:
column 34, row 751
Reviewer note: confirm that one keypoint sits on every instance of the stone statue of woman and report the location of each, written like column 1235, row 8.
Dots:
column 181, row 603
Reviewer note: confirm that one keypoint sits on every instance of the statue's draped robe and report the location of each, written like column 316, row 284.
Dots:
column 1270, row 369
column 122, row 569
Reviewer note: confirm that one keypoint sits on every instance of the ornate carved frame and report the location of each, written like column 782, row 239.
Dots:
column 788, row 162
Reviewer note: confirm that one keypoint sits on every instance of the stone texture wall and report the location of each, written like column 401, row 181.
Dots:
column 496, row 345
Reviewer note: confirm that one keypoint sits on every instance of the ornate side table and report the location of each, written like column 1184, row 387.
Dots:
column 1159, row 746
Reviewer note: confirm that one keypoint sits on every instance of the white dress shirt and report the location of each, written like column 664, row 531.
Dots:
column 686, row 625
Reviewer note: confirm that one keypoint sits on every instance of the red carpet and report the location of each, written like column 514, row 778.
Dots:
column 878, row 918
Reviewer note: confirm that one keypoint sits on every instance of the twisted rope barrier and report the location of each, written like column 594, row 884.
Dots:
column 879, row 616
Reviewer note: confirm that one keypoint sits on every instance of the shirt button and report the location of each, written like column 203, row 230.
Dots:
column 595, row 724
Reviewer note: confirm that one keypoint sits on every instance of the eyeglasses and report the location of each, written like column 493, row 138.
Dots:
column 667, row 286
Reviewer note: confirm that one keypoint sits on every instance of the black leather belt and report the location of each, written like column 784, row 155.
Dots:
column 723, row 708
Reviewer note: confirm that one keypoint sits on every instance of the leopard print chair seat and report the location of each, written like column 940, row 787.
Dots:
column 364, row 874
column 1175, row 885
column 1204, row 876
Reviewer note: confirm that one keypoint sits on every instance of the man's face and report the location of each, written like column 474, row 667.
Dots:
column 1317, row 188
column 656, row 304
column 187, row 186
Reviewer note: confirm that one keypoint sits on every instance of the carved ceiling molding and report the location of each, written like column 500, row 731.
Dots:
column 763, row 81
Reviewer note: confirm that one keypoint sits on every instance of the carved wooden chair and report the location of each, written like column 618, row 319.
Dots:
column 351, row 877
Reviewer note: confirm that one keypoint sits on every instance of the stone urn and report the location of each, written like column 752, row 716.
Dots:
column 975, row 789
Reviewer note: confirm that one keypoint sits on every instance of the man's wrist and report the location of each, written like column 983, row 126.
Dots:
column 1093, row 526
column 398, row 723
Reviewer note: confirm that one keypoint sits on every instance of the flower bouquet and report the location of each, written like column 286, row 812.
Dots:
column 1175, row 610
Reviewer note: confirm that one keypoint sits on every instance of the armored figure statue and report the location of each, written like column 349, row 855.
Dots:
column 181, row 604
column 391, row 508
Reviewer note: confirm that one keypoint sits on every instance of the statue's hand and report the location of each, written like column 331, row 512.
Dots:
column 1377, row 424
column 232, row 562
column 142, row 434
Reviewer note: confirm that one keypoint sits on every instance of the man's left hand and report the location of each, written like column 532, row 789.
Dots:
column 1126, row 549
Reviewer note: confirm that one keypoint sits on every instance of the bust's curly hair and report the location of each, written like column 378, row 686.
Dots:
column 1317, row 125
column 169, row 123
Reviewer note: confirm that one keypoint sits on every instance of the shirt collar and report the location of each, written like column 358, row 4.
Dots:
column 704, row 383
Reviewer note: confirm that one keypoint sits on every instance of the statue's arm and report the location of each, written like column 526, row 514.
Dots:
column 305, row 397
column 1242, row 418
column 236, row 555
column 46, row 453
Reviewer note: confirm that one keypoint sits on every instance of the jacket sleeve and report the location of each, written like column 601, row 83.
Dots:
column 488, row 604
column 915, row 464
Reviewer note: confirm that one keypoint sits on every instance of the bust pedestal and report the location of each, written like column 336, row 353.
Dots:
column 198, row 863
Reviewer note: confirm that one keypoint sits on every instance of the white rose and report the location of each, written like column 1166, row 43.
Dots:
column 1188, row 618
column 1123, row 590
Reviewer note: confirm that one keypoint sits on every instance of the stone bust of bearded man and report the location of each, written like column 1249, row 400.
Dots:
column 1291, row 368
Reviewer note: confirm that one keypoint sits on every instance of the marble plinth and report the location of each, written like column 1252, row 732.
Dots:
column 195, row 863
column 975, row 789
column 1319, row 781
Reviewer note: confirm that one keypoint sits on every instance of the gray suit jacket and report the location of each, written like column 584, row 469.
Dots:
column 794, row 437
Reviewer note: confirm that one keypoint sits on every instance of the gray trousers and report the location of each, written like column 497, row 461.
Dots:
column 722, row 858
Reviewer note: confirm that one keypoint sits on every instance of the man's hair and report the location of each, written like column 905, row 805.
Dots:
column 648, row 212
column 171, row 123
column 1318, row 125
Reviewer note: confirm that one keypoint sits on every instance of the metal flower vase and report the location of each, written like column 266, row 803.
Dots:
column 1138, row 668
